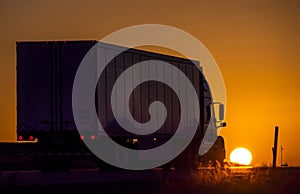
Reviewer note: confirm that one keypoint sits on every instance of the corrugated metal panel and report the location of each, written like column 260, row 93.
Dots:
column 175, row 100
column 35, row 87
column 101, row 90
column 46, row 71
column 189, row 73
column 182, row 84
column 168, row 101
column 144, row 88
column 33, row 81
column 161, row 96
column 153, row 90
column 128, row 62
column 137, row 91
column 120, row 65
column 196, row 83
column 71, row 56
column 110, row 80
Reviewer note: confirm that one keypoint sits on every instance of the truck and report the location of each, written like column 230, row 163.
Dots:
column 45, row 75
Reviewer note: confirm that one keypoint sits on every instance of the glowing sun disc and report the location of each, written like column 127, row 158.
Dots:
column 241, row 156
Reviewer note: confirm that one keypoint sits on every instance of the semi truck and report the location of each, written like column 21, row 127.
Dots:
column 45, row 75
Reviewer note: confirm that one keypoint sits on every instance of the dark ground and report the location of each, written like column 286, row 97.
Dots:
column 20, row 174
column 244, row 181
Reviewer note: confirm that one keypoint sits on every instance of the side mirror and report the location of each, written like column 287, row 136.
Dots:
column 218, row 111
column 221, row 112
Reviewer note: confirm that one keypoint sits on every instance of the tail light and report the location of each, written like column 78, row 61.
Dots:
column 31, row 138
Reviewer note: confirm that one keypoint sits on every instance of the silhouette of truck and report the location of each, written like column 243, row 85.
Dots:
column 45, row 76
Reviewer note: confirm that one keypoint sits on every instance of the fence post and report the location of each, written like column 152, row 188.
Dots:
column 274, row 149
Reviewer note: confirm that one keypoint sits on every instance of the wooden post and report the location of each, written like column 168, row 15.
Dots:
column 274, row 149
column 281, row 148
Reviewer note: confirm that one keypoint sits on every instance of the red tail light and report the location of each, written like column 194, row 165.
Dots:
column 20, row 138
column 31, row 137
column 92, row 137
column 82, row 137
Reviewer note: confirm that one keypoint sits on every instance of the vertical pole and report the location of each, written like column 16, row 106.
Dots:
column 281, row 155
column 274, row 149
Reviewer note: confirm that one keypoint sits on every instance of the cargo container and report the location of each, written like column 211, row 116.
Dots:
column 45, row 76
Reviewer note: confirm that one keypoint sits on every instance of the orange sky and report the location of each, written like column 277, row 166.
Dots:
column 256, row 44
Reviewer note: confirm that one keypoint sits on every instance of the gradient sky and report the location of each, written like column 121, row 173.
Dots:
column 256, row 44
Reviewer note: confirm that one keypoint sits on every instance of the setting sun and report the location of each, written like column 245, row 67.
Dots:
column 241, row 156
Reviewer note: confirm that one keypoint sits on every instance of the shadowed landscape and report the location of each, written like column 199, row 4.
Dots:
column 256, row 180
